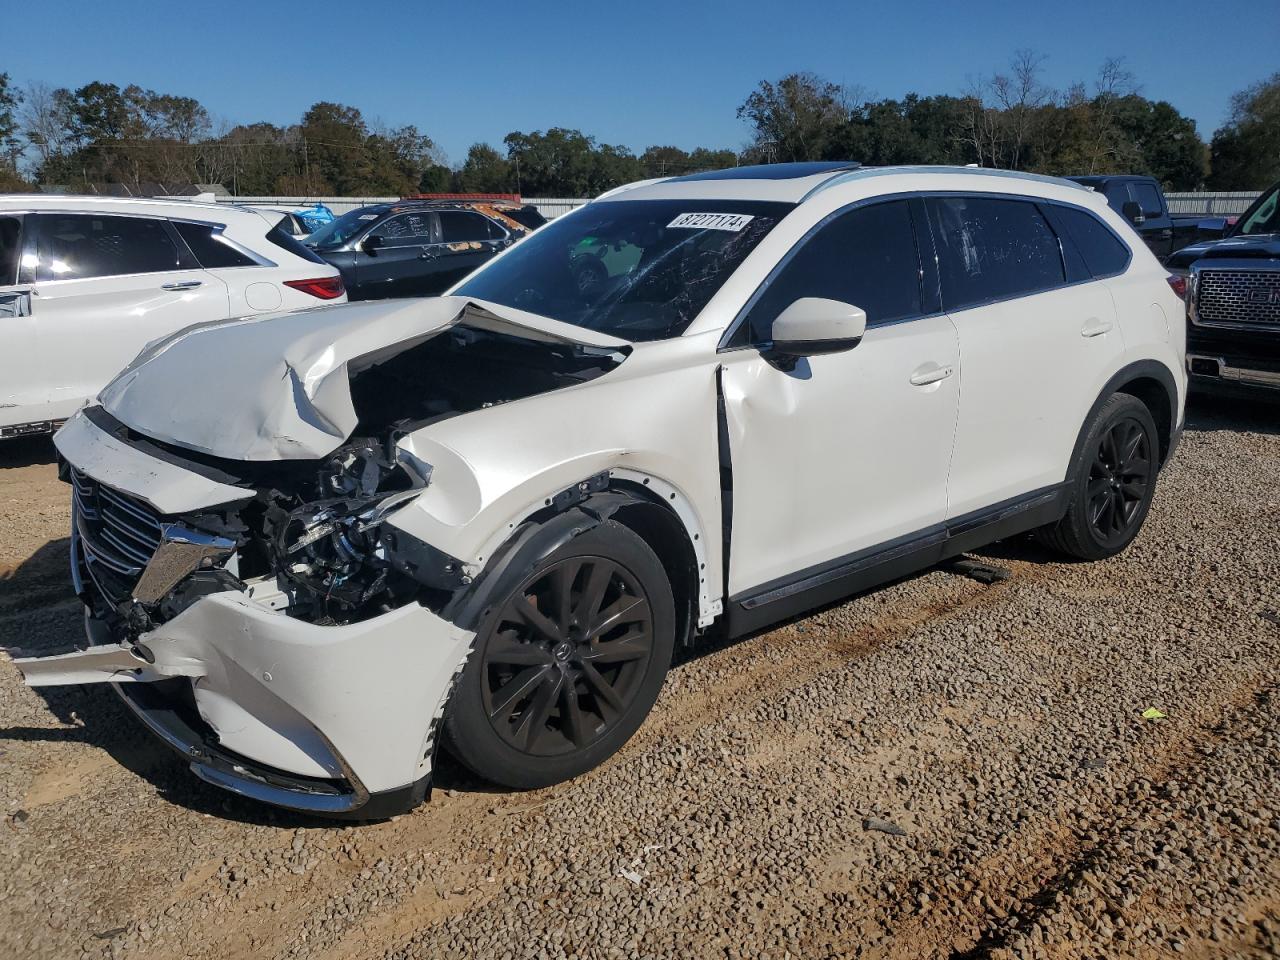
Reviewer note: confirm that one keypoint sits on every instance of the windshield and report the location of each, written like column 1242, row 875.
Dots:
column 337, row 232
column 1264, row 217
column 638, row 269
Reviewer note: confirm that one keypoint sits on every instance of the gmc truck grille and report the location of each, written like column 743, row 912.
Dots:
column 1233, row 297
column 118, row 535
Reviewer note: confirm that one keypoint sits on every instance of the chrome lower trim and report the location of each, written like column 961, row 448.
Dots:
column 1257, row 378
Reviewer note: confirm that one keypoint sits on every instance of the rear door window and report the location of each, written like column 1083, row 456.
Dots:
column 210, row 247
column 866, row 257
column 76, row 246
column 10, row 249
column 458, row 226
column 990, row 248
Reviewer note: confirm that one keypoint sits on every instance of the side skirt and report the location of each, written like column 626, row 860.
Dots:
column 856, row 572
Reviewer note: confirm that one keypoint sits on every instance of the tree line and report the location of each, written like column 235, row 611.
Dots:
column 102, row 133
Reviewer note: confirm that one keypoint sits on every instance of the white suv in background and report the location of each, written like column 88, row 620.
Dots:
column 491, row 517
column 86, row 282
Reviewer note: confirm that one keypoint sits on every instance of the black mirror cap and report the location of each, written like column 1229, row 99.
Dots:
column 1132, row 211
column 811, row 348
column 371, row 243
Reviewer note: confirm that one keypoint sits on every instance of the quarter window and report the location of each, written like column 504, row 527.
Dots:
column 993, row 249
column 405, row 230
column 74, row 246
column 1103, row 252
column 211, row 249
column 457, row 226
column 866, row 257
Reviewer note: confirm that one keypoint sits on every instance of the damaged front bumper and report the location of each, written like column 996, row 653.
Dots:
column 332, row 720
column 326, row 718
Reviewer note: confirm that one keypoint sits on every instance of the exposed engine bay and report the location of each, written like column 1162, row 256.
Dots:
column 317, row 526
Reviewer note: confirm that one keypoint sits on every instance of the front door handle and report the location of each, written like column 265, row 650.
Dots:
column 182, row 285
column 930, row 373
column 1094, row 327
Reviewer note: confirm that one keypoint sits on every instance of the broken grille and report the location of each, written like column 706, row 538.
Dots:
column 118, row 535
column 1238, row 297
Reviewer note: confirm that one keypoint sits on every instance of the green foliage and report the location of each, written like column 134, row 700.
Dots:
column 101, row 132
column 1246, row 151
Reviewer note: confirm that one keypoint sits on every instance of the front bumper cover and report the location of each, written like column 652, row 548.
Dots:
column 323, row 719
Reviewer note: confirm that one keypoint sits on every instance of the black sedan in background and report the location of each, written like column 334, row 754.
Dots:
column 419, row 247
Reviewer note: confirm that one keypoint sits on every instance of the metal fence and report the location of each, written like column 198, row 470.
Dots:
column 549, row 207
column 1210, row 204
column 1183, row 204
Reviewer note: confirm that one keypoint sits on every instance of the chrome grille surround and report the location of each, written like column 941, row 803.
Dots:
column 1239, row 295
column 116, row 536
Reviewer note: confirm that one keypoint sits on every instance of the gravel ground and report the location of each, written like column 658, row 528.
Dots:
column 939, row 768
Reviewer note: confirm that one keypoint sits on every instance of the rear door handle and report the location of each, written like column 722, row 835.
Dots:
column 930, row 373
column 1094, row 327
column 182, row 285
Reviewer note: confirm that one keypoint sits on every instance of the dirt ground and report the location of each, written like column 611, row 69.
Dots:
column 937, row 768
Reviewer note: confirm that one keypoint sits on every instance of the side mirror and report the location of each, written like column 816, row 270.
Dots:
column 371, row 243
column 1132, row 211
column 815, row 325
column 1212, row 227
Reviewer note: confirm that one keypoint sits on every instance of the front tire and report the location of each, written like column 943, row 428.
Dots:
column 1115, row 481
column 567, row 665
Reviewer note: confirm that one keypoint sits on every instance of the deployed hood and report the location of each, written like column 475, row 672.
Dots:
column 1266, row 245
column 277, row 387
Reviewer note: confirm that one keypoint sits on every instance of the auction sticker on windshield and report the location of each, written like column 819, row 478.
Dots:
column 733, row 222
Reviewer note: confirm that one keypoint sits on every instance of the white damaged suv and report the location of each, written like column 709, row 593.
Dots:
column 312, row 547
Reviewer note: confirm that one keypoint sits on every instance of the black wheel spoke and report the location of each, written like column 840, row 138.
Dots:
column 602, row 692
column 515, row 691
column 562, row 578
column 535, row 618
column 633, row 646
column 626, row 609
column 575, row 727
column 533, row 722
column 599, row 574
column 505, row 649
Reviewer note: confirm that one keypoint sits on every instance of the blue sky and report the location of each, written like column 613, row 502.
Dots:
column 634, row 73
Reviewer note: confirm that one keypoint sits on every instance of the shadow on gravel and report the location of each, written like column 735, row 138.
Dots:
column 42, row 579
column 26, row 452
column 1211, row 413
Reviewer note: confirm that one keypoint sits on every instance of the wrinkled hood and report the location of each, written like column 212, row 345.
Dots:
column 1246, row 248
column 277, row 387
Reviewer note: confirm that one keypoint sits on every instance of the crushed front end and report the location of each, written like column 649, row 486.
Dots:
column 258, row 621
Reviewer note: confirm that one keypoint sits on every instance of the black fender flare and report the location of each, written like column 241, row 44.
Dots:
column 1152, row 369
column 533, row 541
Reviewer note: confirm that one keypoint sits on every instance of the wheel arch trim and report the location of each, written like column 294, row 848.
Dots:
column 1126, row 376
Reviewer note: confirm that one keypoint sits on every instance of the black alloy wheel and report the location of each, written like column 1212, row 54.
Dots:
column 567, row 655
column 567, row 663
column 1112, row 482
column 1119, row 479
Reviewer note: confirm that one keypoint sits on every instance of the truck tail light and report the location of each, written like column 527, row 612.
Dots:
column 1178, row 284
column 326, row 288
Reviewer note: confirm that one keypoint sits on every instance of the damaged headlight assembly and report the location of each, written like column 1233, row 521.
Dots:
column 330, row 553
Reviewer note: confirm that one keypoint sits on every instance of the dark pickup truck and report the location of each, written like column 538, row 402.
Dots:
column 1233, row 302
column 1141, row 201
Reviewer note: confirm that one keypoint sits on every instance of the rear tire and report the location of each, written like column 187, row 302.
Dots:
column 1114, row 483
column 567, row 665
